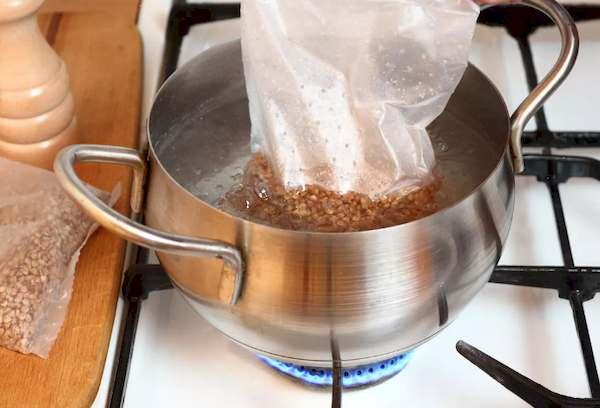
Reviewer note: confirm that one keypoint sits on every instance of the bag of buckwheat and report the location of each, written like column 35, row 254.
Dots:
column 340, row 96
column 341, row 91
column 41, row 234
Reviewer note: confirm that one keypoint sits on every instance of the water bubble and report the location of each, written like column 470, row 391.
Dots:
column 247, row 204
column 262, row 191
column 442, row 146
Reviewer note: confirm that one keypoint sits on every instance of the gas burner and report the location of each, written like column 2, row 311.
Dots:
column 361, row 376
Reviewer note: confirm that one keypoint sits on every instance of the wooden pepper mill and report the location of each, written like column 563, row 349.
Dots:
column 37, row 113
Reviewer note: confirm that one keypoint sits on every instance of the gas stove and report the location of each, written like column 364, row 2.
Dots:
column 537, row 317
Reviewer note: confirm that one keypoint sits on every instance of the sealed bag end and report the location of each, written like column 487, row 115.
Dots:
column 42, row 232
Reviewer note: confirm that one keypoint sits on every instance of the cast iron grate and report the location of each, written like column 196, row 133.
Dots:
column 573, row 283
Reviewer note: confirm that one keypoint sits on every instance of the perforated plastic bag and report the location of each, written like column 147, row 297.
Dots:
column 341, row 91
column 41, row 234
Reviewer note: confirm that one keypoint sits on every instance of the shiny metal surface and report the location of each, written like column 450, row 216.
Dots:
column 552, row 80
column 375, row 293
column 123, row 226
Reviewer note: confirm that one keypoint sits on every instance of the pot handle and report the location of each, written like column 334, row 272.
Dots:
column 127, row 228
column 552, row 80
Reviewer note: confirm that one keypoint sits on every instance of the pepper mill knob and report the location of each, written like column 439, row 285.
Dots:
column 37, row 113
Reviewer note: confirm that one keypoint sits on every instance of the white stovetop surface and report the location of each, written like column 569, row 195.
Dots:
column 179, row 360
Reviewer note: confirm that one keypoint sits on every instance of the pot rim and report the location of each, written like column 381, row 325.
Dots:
column 423, row 220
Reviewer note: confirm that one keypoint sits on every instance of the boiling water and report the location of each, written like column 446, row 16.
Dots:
column 262, row 198
column 206, row 152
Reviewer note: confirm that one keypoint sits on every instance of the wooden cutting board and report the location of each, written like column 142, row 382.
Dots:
column 103, row 54
column 127, row 9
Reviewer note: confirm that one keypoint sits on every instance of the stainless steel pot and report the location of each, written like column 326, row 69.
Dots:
column 288, row 294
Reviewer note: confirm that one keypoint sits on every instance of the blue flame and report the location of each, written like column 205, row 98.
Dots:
column 352, row 377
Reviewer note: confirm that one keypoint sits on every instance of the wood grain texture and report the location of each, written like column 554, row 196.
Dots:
column 127, row 9
column 104, row 59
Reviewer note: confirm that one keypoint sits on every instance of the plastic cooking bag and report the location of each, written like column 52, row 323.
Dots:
column 341, row 91
column 41, row 233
